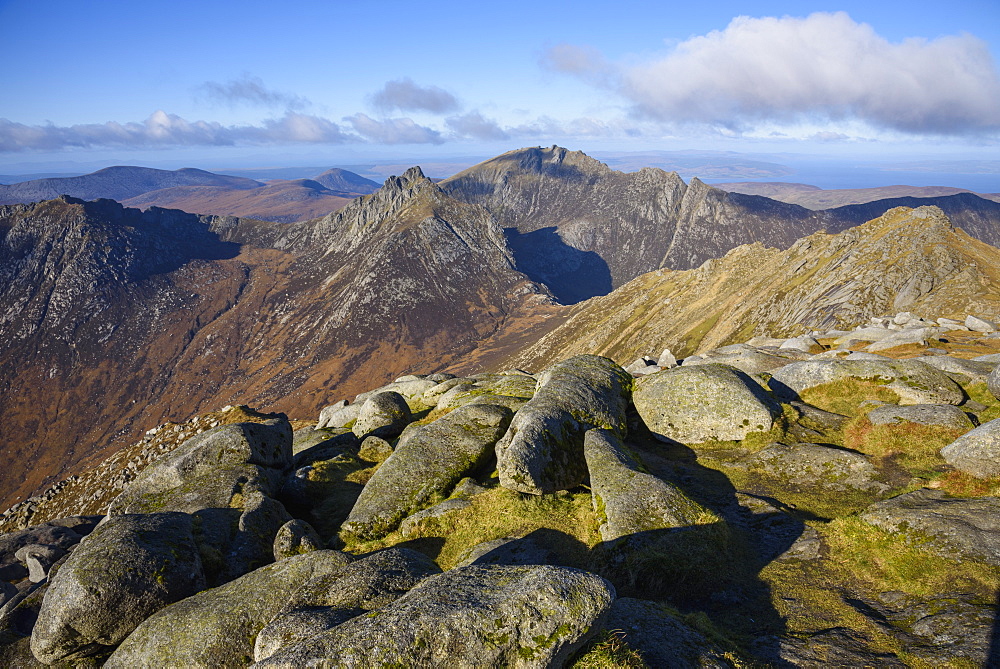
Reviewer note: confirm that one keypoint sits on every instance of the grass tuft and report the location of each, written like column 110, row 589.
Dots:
column 609, row 650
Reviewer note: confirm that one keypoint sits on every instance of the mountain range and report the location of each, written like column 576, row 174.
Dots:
column 814, row 197
column 198, row 191
column 135, row 317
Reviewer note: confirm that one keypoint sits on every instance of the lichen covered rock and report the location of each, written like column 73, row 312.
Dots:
column 952, row 527
column 629, row 501
column 216, row 627
column 944, row 415
column 384, row 414
column 295, row 538
column 428, row 460
column 703, row 402
column 818, row 465
column 542, row 452
column 976, row 452
column 124, row 571
column 913, row 381
column 480, row 616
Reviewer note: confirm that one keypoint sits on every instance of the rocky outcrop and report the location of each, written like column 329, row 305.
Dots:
column 817, row 465
column 969, row 528
column 428, row 460
column 944, row 415
column 542, row 450
column 913, row 381
column 227, row 478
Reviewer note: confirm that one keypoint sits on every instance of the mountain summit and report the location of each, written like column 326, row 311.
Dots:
column 583, row 229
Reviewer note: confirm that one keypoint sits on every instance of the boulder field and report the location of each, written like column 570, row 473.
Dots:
column 785, row 502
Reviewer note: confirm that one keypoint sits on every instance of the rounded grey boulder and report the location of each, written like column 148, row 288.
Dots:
column 384, row 415
column 127, row 569
column 976, row 452
column 693, row 404
column 295, row 538
column 993, row 382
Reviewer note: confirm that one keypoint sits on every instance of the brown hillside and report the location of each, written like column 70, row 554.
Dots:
column 908, row 259
column 281, row 202
column 115, row 320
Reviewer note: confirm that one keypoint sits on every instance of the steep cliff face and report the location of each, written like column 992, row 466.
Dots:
column 114, row 320
column 907, row 259
column 583, row 229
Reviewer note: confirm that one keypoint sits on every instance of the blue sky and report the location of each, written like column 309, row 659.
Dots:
column 212, row 84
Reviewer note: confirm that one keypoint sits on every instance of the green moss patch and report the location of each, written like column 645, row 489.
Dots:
column 845, row 396
column 564, row 523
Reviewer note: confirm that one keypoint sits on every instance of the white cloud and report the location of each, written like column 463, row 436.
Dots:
column 824, row 66
column 404, row 95
column 250, row 91
column 393, row 130
column 828, row 136
column 474, row 125
column 163, row 129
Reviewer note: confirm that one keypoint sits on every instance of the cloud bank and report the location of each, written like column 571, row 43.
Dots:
column 824, row 66
column 404, row 95
column 163, row 129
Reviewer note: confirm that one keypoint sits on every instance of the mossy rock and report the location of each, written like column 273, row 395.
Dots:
column 130, row 567
column 497, row 615
column 429, row 460
column 628, row 501
column 542, row 451
column 703, row 403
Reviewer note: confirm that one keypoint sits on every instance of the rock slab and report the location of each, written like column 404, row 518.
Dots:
column 476, row 616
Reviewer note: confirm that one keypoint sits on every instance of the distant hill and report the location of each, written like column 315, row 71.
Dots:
column 118, row 183
column 814, row 197
column 348, row 182
column 582, row 228
column 279, row 201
